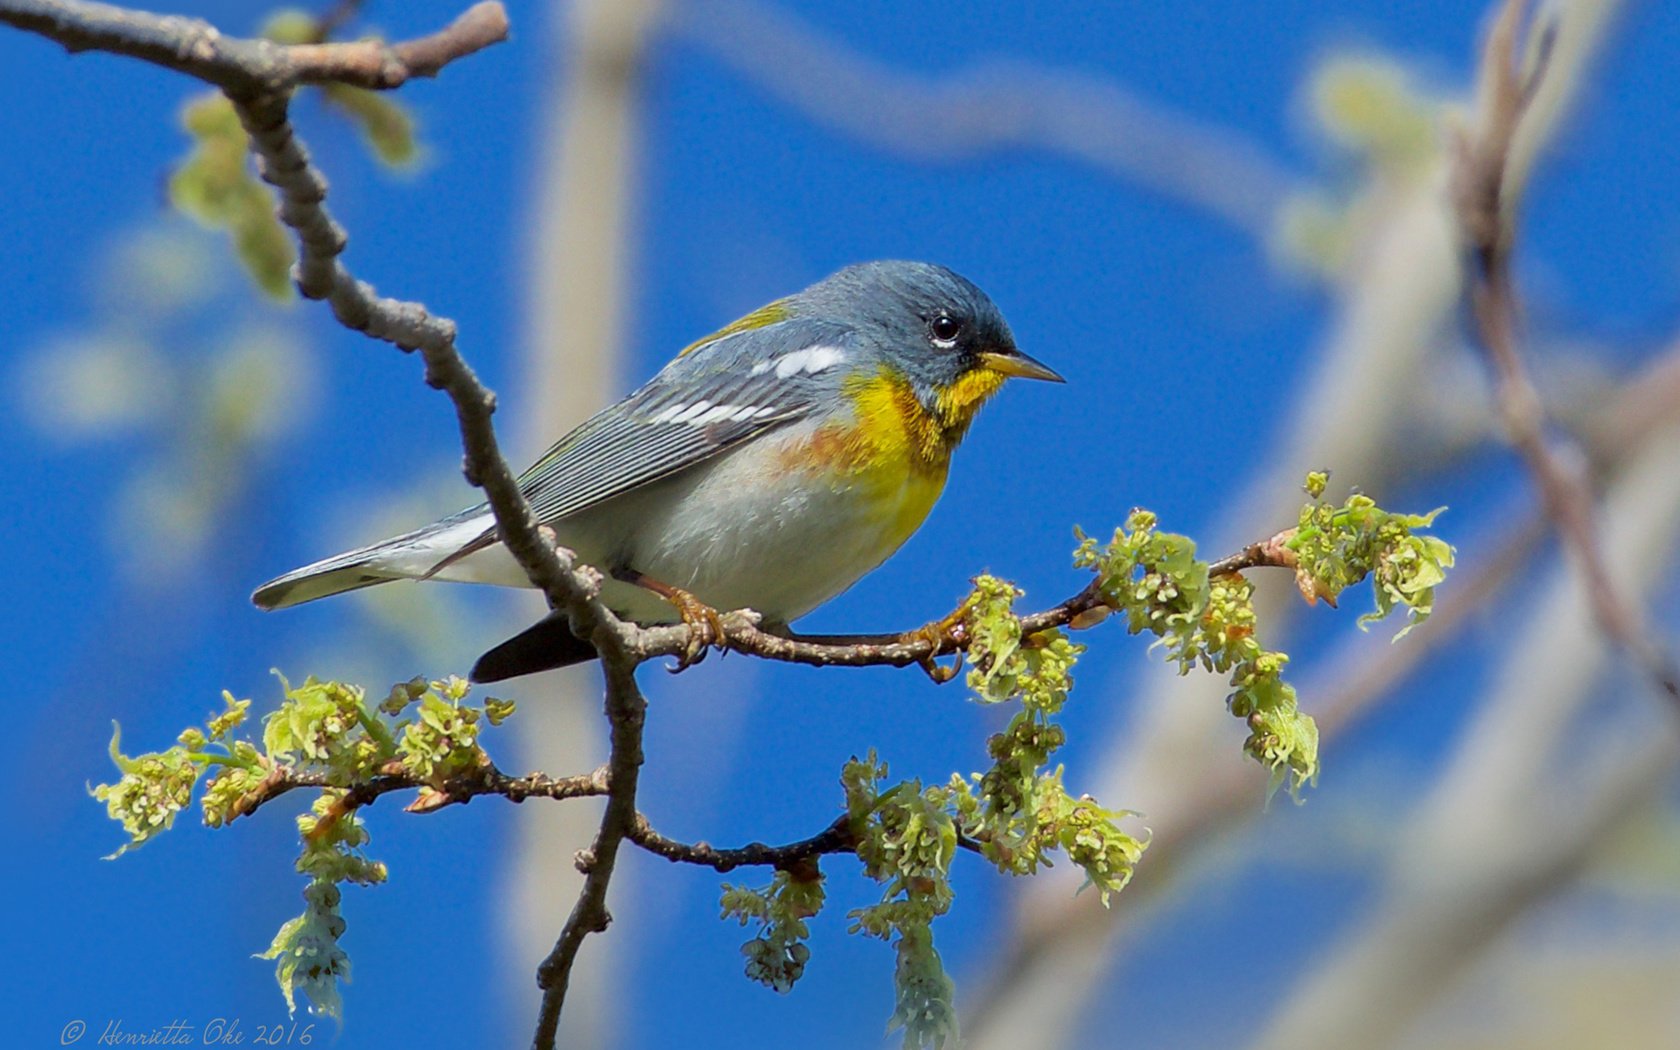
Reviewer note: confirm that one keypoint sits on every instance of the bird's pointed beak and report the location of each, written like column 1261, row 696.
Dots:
column 1014, row 363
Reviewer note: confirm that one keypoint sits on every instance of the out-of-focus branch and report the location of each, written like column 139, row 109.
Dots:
column 993, row 107
column 1487, row 208
column 253, row 68
column 1496, row 838
column 335, row 18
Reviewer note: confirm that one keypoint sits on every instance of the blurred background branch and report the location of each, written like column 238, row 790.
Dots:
column 996, row 107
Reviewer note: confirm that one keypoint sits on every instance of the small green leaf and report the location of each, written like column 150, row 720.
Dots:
column 385, row 123
column 216, row 185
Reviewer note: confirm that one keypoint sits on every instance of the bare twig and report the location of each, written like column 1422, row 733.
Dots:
column 1487, row 218
column 626, row 711
column 489, row 780
column 836, row 838
column 253, row 68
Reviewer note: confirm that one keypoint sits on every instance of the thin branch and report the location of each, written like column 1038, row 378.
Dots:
column 253, row 68
column 836, row 838
column 462, row 788
column 489, row 780
column 626, row 711
column 741, row 632
column 1487, row 218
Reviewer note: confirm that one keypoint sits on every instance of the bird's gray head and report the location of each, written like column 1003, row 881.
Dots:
column 929, row 324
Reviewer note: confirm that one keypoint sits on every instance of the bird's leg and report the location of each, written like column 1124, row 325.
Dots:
column 705, row 627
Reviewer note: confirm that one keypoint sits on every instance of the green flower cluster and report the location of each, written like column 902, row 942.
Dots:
column 327, row 726
column 328, row 732
column 306, row 952
column 442, row 740
column 777, row 956
column 307, row 957
column 906, row 837
column 1019, row 811
column 156, row 786
column 1337, row 547
column 1155, row 579
column 1015, row 814
column 153, row 788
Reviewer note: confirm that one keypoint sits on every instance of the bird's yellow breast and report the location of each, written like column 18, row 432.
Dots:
column 893, row 450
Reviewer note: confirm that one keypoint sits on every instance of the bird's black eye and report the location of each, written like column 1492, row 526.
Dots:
column 944, row 328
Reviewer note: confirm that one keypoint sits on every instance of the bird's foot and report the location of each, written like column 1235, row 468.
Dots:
column 949, row 631
column 705, row 625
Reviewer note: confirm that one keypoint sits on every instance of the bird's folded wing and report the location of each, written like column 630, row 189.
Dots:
column 717, row 395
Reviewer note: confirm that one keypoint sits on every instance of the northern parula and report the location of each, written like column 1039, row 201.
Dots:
column 769, row 466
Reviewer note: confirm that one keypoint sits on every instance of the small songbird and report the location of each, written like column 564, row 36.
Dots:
column 768, row 466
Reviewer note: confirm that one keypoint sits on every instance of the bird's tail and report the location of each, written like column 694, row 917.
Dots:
column 413, row 555
column 545, row 645
column 320, row 580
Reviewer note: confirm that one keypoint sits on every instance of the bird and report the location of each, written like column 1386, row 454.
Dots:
column 769, row 466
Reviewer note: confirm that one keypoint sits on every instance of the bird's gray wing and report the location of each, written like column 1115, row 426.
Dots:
column 719, row 393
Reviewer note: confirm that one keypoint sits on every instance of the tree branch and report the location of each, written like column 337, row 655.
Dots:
column 626, row 711
column 1086, row 608
column 836, row 838
column 1487, row 218
column 253, row 68
column 486, row 780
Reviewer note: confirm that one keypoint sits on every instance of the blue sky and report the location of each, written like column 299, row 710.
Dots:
column 1180, row 335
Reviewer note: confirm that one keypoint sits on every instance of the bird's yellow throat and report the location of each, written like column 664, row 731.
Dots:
column 894, row 429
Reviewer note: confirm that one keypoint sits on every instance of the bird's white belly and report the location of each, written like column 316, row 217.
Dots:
column 742, row 531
